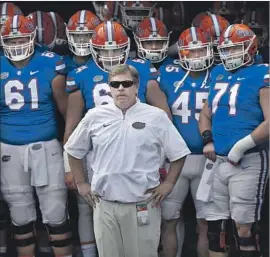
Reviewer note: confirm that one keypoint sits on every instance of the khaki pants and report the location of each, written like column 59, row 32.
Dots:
column 118, row 233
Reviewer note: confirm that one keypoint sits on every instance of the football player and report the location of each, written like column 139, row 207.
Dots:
column 234, row 124
column 107, row 10
column 32, row 86
column 133, row 12
column 46, row 31
column 213, row 25
column 61, row 43
column 7, row 10
column 79, row 30
column 186, row 87
column 152, row 39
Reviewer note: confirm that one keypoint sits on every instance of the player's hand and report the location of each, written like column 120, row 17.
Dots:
column 84, row 190
column 69, row 180
column 209, row 152
column 160, row 192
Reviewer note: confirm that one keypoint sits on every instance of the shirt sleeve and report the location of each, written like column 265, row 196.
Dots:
column 174, row 145
column 80, row 143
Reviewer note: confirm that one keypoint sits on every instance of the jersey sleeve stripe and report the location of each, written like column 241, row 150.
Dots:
column 71, row 83
column 60, row 67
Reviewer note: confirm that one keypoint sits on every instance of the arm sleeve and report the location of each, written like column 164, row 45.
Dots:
column 80, row 143
column 174, row 145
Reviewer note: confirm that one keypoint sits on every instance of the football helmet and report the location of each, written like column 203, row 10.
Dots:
column 60, row 28
column 237, row 46
column 79, row 30
column 18, row 37
column 134, row 12
column 195, row 50
column 8, row 10
column 46, row 33
column 110, row 45
column 154, row 31
column 254, row 19
column 107, row 10
column 198, row 18
column 213, row 25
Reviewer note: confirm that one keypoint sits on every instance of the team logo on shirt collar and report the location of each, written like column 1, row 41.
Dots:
column 4, row 75
column 98, row 78
column 220, row 77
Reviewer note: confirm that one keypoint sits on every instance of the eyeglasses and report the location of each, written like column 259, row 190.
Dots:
column 125, row 83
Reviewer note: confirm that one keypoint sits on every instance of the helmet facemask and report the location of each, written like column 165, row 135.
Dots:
column 18, row 52
column 110, row 55
column 153, row 55
column 132, row 16
column 196, row 63
column 79, row 42
column 238, row 57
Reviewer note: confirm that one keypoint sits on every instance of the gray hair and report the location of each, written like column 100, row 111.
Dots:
column 124, row 68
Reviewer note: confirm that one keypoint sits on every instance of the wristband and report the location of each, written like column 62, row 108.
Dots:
column 207, row 137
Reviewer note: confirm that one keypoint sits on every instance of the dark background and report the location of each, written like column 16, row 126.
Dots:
column 65, row 8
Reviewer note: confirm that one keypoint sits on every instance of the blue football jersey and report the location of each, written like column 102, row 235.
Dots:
column 1, row 51
column 71, row 63
column 27, row 112
column 186, row 103
column 168, row 60
column 235, row 104
column 258, row 59
column 93, row 82
column 41, row 48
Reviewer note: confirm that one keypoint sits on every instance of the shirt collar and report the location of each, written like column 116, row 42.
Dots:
column 129, row 110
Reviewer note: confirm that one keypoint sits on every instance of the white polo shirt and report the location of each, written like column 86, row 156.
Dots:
column 125, row 149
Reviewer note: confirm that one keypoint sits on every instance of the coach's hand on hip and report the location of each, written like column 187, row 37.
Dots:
column 84, row 190
column 160, row 192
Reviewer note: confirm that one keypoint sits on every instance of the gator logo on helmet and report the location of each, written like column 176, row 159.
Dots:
column 30, row 26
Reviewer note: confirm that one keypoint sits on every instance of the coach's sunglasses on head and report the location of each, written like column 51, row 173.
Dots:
column 125, row 83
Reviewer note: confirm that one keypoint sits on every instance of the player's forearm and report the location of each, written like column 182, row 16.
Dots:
column 205, row 122
column 261, row 134
column 175, row 170
column 76, row 166
column 71, row 124
column 156, row 97
column 74, row 116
